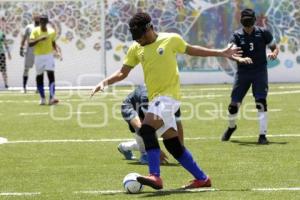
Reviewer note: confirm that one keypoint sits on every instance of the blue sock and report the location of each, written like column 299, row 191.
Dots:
column 41, row 91
column 52, row 90
column 154, row 161
column 187, row 161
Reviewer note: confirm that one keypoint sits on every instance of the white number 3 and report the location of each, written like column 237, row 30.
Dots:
column 251, row 46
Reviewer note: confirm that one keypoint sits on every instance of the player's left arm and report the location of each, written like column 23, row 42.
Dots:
column 6, row 47
column 271, row 43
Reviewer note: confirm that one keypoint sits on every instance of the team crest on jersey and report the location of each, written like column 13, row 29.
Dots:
column 160, row 51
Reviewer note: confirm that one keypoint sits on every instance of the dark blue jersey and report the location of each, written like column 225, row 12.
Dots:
column 139, row 100
column 253, row 46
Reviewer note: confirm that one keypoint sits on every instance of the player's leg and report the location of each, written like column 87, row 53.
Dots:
column 134, row 124
column 28, row 63
column 241, row 85
column 40, row 87
column 185, row 158
column 51, row 78
column 3, row 69
column 260, row 92
column 151, row 123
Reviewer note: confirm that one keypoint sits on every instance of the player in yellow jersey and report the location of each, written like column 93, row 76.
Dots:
column 42, row 38
column 156, row 52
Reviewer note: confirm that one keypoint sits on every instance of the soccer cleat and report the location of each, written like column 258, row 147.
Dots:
column 144, row 159
column 262, row 139
column 53, row 101
column 153, row 181
column 226, row 136
column 198, row 184
column 43, row 101
column 127, row 154
column 6, row 86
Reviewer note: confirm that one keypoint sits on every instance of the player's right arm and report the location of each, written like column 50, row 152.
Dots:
column 35, row 38
column 115, row 77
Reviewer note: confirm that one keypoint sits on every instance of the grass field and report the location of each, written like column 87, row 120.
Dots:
column 69, row 151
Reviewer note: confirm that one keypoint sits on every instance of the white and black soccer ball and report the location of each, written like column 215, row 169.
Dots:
column 131, row 185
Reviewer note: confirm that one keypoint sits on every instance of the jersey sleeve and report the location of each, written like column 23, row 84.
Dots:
column 179, row 44
column 53, row 36
column 33, row 35
column 131, row 58
column 267, row 36
column 233, row 39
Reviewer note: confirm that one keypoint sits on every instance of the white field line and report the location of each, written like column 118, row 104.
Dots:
column 19, row 193
column 276, row 189
column 248, row 110
column 47, row 113
column 3, row 140
column 129, row 139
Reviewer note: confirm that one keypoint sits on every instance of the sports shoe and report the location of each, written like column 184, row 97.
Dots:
column 198, row 184
column 153, row 181
column 53, row 101
column 226, row 136
column 144, row 159
column 262, row 139
column 127, row 154
column 6, row 86
column 43, row 101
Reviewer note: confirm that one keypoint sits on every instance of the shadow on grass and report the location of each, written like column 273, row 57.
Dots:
column 254, row 143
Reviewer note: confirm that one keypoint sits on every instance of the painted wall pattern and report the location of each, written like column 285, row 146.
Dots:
column 205, row 22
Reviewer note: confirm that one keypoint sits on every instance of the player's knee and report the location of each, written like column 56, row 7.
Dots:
column 261, row 105
column 174, row 147
column 26, row 71
column 233, row 109
column 39, row 79
column 149, row 137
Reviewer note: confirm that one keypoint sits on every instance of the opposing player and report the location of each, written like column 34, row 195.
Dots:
column 157, row 54
column 133, row 110
column 4, row 48
column 42, row 39
column 28, row 54
column 251, row 71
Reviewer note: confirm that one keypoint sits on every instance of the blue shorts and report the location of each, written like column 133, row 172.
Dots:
column 242, row 82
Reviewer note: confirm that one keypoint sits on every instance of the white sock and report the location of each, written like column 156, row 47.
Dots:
column 140, row 143
column 263, row 122
column 232, row 120
column 130, row 146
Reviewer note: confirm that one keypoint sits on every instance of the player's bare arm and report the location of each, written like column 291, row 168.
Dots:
column 57, row 50
column 115, row 77
column 228, row 52
column 34, row 42
column 22, row 45
column 274, row 51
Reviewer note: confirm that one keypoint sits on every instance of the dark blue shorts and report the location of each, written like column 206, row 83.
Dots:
column 242, row 82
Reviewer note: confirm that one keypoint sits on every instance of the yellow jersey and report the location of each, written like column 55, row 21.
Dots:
column 43, row 47
column 159, row 63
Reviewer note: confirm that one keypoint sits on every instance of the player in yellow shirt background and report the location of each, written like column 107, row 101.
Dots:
column 156, row 52
column 42, row 38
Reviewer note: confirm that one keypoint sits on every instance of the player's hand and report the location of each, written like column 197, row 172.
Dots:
column 22, row 51
column 163, row 158
column 99, row 87
column 232, row 50
column 272, row 56
column 245, row 60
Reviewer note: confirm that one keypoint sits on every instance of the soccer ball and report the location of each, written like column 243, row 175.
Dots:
column 131, row 185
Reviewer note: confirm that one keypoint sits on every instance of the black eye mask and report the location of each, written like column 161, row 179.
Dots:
column 248, row 22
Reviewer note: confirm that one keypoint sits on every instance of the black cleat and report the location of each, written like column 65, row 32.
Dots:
column 226, row 136
column 262, row 140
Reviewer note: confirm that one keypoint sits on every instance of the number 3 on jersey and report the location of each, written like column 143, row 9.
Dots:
column 251, row 46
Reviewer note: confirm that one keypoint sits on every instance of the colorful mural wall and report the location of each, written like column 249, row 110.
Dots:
column 204, row 22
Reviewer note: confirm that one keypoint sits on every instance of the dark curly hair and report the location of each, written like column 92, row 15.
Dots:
column 140, row 19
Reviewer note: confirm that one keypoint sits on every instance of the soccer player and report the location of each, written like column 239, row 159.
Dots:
column 42, row 38
column 251, row 71
column 28, row 54
column 156, row 52
column 4, row 48
column 133, row 111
